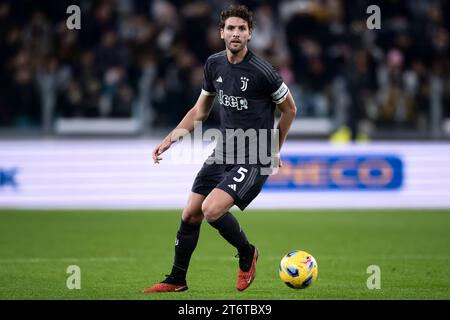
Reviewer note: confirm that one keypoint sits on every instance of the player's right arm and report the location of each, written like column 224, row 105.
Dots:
column 199, row 112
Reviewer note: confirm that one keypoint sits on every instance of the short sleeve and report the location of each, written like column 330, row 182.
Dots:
column 277, row 89
column 208, row 87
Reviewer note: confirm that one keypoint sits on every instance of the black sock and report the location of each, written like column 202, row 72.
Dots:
column 187, row 238
column 230, row 229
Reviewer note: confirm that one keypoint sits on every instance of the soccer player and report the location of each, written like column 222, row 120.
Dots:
column 249, row 90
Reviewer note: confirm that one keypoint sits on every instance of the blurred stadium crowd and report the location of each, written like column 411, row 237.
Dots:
column 143, row 59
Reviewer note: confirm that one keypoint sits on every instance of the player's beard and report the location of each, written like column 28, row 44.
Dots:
column 236, row 49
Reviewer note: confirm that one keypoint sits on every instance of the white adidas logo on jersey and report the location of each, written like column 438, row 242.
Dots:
column 219, row 79
column 232, row 186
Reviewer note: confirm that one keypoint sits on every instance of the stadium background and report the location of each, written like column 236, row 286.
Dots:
column 81, row 110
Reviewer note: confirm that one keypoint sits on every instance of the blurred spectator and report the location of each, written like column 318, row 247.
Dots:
column 70, row 101
column 122, row 104
column 25, row 96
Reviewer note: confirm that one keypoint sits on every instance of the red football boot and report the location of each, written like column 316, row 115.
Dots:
column 245, row 278
column 168, row 285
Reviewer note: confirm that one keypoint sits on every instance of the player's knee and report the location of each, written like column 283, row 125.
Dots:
column 211, row 211
column 192, row 216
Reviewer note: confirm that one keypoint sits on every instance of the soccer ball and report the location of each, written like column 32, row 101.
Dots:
column 298, row 269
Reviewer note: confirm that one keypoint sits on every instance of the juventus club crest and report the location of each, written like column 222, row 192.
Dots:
column 244, row 81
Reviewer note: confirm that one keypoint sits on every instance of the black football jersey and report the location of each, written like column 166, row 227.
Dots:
column 246, row 92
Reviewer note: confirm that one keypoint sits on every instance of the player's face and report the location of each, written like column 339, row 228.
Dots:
column 236, row 34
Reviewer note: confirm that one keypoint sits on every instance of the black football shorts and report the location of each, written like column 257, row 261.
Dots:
column 242, row 182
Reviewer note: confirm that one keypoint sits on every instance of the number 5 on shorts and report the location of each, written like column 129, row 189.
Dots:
column 242, row 171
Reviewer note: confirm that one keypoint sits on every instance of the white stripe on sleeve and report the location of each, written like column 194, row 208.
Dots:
column 281, row 94
column 206, row 93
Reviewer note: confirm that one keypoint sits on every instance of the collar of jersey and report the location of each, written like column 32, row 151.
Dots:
column 247, row 56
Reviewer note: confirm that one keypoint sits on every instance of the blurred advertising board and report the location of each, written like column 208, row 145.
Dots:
column 120, row 173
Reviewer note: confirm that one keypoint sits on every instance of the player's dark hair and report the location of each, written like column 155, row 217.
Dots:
column 239, row 11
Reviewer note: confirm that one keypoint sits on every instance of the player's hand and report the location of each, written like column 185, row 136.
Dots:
column 160, row 149
column 277, row 160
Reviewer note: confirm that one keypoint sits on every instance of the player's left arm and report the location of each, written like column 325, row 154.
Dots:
column 288, row 111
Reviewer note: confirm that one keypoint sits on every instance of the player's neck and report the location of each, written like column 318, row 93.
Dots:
column 237, row 57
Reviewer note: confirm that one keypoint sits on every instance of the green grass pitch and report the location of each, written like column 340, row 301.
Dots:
column 122, row 252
